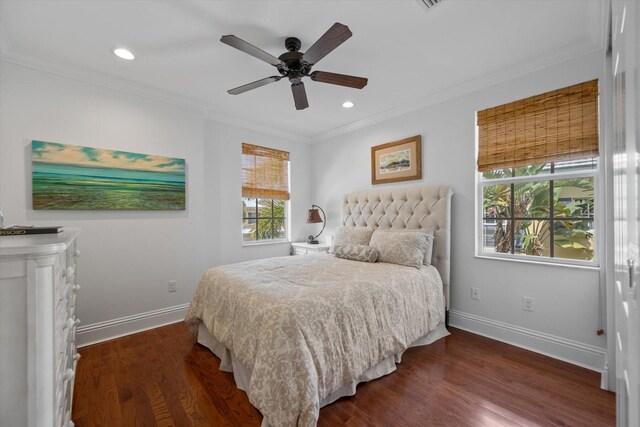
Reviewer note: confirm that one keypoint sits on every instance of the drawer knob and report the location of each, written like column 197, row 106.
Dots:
column 69, row 374
column 69, row 323
column 77, row 253
column 70, row 271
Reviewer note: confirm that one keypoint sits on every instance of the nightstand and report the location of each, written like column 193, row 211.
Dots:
column 303, row 248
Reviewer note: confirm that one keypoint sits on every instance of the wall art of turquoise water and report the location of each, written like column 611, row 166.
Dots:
column 65, row 186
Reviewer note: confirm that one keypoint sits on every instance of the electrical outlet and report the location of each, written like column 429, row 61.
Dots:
column 527, row 303
column 172, row 285
column 475, row 294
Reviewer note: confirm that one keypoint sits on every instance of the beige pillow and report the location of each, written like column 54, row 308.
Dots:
column 400, row 248
column 360, row 253
column 429, row 232
column 351, row 236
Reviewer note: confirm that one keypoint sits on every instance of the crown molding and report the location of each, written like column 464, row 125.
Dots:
column 505, row 74
column 10, row 54
column 96, row 78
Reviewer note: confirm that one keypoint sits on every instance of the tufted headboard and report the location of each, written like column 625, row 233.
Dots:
column 425, row 206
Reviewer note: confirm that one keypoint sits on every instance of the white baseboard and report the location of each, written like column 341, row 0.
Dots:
column 110, row 329
column 585, row 355
column 570, row 351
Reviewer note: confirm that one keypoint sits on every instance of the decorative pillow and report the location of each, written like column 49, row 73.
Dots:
column 400, row 248
column 428, row 254
column 429, row 232
column 351, row 236
column 361, row 253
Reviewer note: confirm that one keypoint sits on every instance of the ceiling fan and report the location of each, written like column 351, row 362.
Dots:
column 295, row 65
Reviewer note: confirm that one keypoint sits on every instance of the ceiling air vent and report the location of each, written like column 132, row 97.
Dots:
column 428, row 4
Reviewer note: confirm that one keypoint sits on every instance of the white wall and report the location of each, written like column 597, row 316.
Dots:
column 224, row 149
column 566, row 299
column 128, row 257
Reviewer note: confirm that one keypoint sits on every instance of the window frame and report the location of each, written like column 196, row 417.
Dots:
column 481, row 182
column 286, row 219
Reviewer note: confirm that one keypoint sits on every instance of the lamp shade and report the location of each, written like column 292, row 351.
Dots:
column 314, row 216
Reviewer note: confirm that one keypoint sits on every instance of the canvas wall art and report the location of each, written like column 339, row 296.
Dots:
column 74, row 177
column 397, row 161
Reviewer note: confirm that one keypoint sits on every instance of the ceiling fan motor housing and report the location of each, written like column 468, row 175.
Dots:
column 292, row 65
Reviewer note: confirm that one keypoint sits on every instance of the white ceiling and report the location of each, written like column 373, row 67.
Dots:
column 407, row 53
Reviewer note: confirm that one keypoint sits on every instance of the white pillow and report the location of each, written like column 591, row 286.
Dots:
column 400, row 248
column 362, row 253
column 429, row 232
column 351, row 236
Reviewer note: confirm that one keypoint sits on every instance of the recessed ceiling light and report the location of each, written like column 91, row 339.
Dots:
column 347, row 104
column 123, row 54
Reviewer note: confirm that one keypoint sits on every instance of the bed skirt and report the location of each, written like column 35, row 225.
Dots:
column 242, row 375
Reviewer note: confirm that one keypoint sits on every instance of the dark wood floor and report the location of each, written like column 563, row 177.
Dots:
column 162, row 378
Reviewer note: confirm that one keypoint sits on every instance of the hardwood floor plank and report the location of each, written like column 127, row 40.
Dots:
column 163, row 378
column 231, row 402
column 95, row 394
column 522, row 380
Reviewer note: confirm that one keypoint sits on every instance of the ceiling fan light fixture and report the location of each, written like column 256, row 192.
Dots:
column 123, row 53
column 347, row 104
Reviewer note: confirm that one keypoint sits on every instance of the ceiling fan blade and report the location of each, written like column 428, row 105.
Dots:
column 334, row 37
column 299, row 96
column 253, row 85
column 246, row 47
column 339, row 79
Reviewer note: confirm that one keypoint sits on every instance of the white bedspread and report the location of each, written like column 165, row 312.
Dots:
column 306, row 325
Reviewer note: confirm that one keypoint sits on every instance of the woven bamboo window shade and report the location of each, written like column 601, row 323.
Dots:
column 553, row 126
column 265, row 173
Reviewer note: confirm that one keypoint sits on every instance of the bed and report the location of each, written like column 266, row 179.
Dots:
column 300, row 332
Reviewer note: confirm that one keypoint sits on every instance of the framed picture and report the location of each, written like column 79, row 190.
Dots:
column 74, row 177
column 397, row 161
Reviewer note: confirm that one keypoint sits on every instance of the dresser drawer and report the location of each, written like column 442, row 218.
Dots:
column 63, row 398
column 304, row 248
column 67, row 422
column 71, row 303
column 60, row 317
column 61, row 367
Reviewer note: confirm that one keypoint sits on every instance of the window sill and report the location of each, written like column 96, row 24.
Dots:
column 520, row 259
column 266, row 242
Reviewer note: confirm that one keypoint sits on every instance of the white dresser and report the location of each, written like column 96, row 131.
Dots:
column 38, row 354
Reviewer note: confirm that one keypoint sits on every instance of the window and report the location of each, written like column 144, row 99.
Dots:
column 263, row 219
column 537, row 163
column 265, row 194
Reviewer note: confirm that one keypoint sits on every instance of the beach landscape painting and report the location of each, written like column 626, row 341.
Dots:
column 395, row 161
column 84, row 178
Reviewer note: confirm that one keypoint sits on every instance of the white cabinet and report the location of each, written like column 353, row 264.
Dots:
column 303, row 248
column 38, row 355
